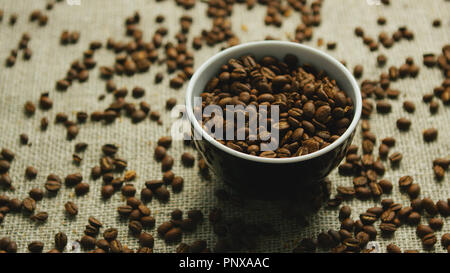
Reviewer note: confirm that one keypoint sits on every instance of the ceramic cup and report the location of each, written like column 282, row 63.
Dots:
column 272, row 178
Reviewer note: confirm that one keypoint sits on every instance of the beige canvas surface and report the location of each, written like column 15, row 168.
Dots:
column 99, row 19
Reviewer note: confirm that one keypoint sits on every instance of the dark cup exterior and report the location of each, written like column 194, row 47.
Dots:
column 269, row 181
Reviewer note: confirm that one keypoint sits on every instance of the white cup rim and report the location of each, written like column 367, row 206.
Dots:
column 230, row 53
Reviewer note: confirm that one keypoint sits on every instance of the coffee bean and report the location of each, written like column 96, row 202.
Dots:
column 173, row 235
column 414, row 218
column 115, row 246
column 36, row 194
column 430, row 134
column 71, row 208
column 7, row 154
column 429, row 240
column 135, row 227
column 60, row 241
column 187, row 159
column 388, row 228
column 391, row 248
column 107, row 191
column 414, row 191
column 423, row 230
column 409, row 106
column 4, row 166
column 36, row 247
column 82, row 188
column 88, row 242
column 24, row 139
column 443, row 208
column 160, row 152
column 128, row 190
column 395, row 158
column 403, row 124
column 162, row 194
column 148, row 221
column 40, row 216
column 146, row 195
column 146, row 240
column 445, row 240
column 429, row 206
column 73, row 179
column 344, row 212
column 138, row 92
column 383, row 107
column 405, row 181
column 167, row 163
column 170, row 103
column 29, row 204
column 177, row 183
column 436, row 223
column 110, row 234
column 358, row 71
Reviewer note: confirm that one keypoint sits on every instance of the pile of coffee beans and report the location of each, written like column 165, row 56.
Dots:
column 314, row 111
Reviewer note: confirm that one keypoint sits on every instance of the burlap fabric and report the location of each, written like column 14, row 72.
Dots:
column 97, row 20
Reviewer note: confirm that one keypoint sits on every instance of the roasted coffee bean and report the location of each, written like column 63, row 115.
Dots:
column 173, row 235
column 162, row 194
column 146, row 194
column 36, row 194
column 115, row 246
column 40, row 216
column 403, row 124
column 107, row 191
column 103, row 245
column 358, row 71
column 167, row 163
column 146, row 240
column 429, row 206
column 445, row 240
column 383, row 107
column 430, row 134
column 187, row 159
column 391, row 248
column 135, row 227
column 368, row 218
column 7, row 154
column 88, row 242
column 31, row 172
column 414, row 191
column 73, row 179
column 423, row 230
column 409, row 106
column 388, row 227
column 24, row 139
column 414, row 218
column 395, row 158
column 429, row 240
column 60, row 241
column 436, row 223
column 29, row 204
column 443, row 208
column 347, row 224
column 128, row 190
column 82, row 188
column 71, row 208
column 405, row 181
column 110, row 234
column 36, row 247
column 170, row 103
column 148, row 221
column 345, row 212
